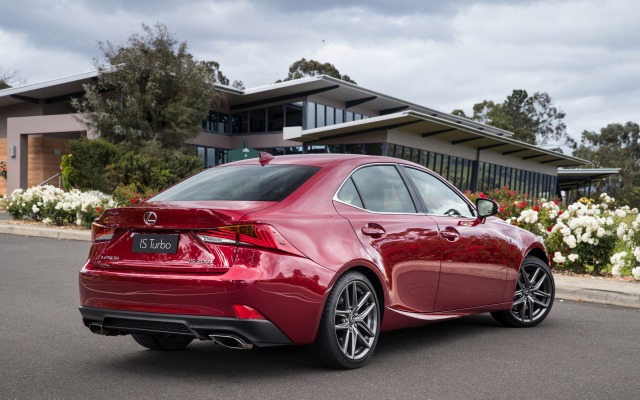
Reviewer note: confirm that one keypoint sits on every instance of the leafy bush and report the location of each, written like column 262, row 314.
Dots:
column 103, row 166
column 84, row 168
column 151, row 168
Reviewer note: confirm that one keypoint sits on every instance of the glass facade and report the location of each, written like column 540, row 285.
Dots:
column 459, row 171
column 274, row 118
column 319, row 115
column 211, row 156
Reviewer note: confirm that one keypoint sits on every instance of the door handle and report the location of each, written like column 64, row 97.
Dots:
column 451, row 236
column 373, row 230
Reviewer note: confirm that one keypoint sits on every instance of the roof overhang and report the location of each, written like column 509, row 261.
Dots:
column 47, row 92
column 458, row 132
column 570, row 178
column 64, row 88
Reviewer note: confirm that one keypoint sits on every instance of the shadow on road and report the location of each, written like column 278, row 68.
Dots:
column 201, row 359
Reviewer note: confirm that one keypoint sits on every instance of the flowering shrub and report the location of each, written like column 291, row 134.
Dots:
column 627, row 262
column 128, row 195
column 3, row 169
column 583, row 237
column 55, row 206
column 586, row 235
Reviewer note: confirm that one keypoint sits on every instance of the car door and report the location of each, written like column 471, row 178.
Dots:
column 398, row 236
column 474, row 253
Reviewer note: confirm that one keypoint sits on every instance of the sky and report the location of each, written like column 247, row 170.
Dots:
column 444, row 55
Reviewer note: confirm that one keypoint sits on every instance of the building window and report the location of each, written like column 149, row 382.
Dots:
column 293, row 114
column 275, row 118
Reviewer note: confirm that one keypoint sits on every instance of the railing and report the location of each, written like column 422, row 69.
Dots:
column 58, row 175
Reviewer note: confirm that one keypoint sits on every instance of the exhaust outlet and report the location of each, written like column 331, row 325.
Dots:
column 231, row 342
column 96, row 328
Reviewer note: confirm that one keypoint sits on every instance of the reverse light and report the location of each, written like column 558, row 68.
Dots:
column 246, row 312
column 101, row 233
column 258, row 235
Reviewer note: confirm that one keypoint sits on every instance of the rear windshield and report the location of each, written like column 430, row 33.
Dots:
column 241, row 182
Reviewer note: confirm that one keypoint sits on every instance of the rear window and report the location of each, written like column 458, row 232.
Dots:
column 241, row 183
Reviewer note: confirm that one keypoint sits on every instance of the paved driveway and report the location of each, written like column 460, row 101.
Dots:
column 582, row 351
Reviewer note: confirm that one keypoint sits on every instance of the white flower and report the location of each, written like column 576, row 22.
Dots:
column 572, row 257
column 528, row 216
column 617, row 263
column 559, row 258
column 35, row 209
column 636, row 273
column 622, row 229
column 570, row 241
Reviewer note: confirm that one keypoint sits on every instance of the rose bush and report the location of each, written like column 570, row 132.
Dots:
column 587, row 236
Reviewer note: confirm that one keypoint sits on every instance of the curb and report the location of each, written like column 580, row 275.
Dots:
column 53, row 233
column 595, row 290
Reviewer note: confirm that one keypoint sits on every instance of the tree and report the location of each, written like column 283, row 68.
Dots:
column 303, row 68
column 616, row 146
column 220, row 77
column 149, row 99
column 532, row 119
column 151, row 90
column 9, row 79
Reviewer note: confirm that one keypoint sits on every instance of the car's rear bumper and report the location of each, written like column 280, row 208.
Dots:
column 117, row 322
column 288, row 291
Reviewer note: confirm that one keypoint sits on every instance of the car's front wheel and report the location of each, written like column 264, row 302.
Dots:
column 350, row 323
column 533, row 296
column 162, row 341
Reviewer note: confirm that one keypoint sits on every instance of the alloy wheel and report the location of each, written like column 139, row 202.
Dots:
column 533, row 295
column 356, row 320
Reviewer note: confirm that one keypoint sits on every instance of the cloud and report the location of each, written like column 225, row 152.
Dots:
column 443, row 55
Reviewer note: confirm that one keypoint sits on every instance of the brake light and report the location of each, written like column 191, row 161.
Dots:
column 246, row 312
column 101, row 233
column 258, row 235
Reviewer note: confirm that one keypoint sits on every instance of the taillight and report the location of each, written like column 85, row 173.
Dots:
column 101, row 233
column 258, row 235
column 246, row 312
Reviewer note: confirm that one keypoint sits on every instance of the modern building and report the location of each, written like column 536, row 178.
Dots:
column 310, row 115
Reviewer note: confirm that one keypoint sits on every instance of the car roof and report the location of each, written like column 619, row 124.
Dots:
column 321, row 160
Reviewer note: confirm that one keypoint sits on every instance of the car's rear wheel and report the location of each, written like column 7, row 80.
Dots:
column 162, row 341
column 350, row 323
column 533, row 296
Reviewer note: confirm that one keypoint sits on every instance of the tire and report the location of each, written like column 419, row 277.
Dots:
column 533, row 296
column 348, row 335
column 166, row 342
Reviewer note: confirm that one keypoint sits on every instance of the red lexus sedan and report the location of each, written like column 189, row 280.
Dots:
column 321, row 250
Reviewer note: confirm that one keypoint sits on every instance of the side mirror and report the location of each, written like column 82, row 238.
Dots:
column 486, row 207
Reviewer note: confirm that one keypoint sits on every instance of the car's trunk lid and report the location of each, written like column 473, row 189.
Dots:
column 168, row 236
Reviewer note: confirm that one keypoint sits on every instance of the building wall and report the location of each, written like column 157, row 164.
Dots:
column 3, row 157
column 233, row 142
column 18, row 110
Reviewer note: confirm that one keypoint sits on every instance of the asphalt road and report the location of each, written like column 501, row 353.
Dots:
column 582, row 351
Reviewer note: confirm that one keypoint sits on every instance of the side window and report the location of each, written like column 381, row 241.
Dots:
column 437, row 196
column 348, row 194
column 382, row 189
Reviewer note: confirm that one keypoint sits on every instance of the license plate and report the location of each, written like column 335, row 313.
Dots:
column 155, row 243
